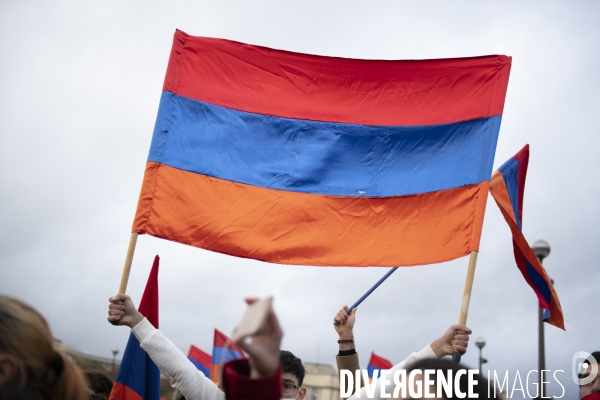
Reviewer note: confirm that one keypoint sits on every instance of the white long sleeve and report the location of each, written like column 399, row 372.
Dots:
column 427, row 352
column 182, row 374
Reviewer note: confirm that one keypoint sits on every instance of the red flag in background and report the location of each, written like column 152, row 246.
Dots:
column 508, row 188
column 379, row 363
column 224, row 350
column 138, row 377
column 200, row 359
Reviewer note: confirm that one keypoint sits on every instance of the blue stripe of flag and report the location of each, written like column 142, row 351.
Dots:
column 510, row 173
column 222, row 355
column 138, row 371
column 201, row 367
column 321, row 157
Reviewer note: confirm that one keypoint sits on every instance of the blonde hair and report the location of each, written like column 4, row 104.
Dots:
column 26, row 336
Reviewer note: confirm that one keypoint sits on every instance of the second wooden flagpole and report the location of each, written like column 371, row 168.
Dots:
column 128, row 261
column 464, row 309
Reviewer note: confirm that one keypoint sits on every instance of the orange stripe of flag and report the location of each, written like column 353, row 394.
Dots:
column 309, row 229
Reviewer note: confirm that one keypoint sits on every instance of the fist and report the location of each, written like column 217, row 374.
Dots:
column 122, row 311
column 345, row 325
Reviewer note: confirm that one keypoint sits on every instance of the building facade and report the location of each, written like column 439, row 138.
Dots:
column 322, row 382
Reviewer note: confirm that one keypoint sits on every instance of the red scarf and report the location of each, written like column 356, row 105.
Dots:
column 593, row 396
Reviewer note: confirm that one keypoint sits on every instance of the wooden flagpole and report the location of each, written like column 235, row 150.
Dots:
column 128, row 261
column 464, row 309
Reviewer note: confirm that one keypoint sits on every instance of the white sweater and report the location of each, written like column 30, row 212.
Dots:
column 182, row 374
column 194, row 385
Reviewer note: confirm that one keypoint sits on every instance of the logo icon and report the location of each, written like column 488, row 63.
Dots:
column 581, row 363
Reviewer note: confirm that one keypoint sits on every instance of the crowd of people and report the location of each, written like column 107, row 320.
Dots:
column 30, row 367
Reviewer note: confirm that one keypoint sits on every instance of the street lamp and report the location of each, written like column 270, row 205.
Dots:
column 115, row 351
column 480, row 342
column 541, row 249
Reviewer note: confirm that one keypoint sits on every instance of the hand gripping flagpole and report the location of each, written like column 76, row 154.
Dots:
column 464, row 309
column 127, row 266
column 364, row 296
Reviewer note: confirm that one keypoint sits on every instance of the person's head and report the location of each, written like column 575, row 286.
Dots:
column 28, row 361
column 449, row 370
column 592, row 387
column 293, row 376
column 98, row 383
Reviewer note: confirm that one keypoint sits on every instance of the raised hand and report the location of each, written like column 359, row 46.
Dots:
column 122, row 311
column 345, row 325
column 263, row 347
column 456, row 338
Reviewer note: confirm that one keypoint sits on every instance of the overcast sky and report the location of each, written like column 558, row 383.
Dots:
column 80, row 84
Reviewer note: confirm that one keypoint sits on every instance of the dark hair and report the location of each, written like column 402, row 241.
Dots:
column 292, row 364
column 99, row 383
column 480, row 388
